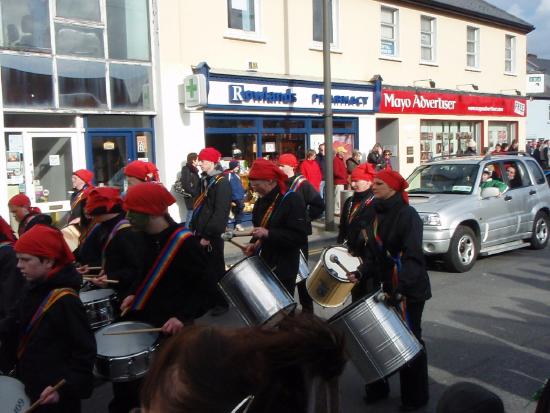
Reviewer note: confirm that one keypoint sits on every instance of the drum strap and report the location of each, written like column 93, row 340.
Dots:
column 123, row 223
column 90, row 229
column 78, row 198
column 354, row 209
column 44, row 306
column 197, row 206
column 298, row 182
column 160, row 267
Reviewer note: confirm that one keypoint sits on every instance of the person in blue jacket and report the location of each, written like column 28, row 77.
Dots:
column 237, row 193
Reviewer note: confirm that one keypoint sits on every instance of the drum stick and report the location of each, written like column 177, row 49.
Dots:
column 333, row 258
column 36, row 404
column 237, row 244
column 86, row 278
column 136, row 331
column 95, row 268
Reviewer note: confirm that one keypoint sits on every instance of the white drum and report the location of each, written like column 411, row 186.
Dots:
column 71, row 235
column 12, row 396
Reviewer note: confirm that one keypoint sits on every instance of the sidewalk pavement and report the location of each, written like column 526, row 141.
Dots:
column 320, row 238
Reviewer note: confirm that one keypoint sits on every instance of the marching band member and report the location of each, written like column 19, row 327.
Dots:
column 393, row 253
column 137, row 172
column 173, row 292
column 53, row 337
column 314, row 208
column 81, row 180
column 279, row 218
column 27, row 215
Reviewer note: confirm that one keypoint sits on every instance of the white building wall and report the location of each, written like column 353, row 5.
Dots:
column 538, row 119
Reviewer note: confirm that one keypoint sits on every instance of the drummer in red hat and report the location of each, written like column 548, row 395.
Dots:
column 279, row 218
column 82, row 179
column 137, row 172
column 25, row 214
column 49, row 330
column 392, row 253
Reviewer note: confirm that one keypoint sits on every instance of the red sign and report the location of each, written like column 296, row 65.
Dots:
column 429, row 103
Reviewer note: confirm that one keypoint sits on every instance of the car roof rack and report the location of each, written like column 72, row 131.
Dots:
column 499, row 154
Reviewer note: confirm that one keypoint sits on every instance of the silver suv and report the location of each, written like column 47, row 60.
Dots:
column 480, row 206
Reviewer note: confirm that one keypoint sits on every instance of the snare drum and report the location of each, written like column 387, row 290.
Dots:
column 303, row 269
column 71, row 235
column 125, row 357
column 100, row 306
column 256, row 292
column 328, row 284
column 12, row 395
column 377, row 340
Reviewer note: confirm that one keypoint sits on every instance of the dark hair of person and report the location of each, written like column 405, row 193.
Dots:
column 543, row 404
column 211, row 370
column 192, row 156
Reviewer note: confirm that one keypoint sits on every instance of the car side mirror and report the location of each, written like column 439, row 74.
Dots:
column 490, row 192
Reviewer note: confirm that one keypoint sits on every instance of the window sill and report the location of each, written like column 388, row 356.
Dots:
column 472, row 69
column 425, row 63
column 318, row 47
column 245, row 36
column 390, row 58
column 510, row 74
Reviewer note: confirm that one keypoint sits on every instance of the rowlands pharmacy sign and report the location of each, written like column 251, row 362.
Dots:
column 288, row 95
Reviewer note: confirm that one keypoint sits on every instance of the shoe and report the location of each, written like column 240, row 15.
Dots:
column 239, row 228
column 411, row 407
column 218, row 311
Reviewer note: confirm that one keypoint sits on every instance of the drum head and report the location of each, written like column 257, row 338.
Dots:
column 71, row 235
column 12, row 395
column 124, row 344
column 95, row 295
column 351, row 263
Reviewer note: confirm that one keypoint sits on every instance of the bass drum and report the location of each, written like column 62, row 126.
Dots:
column 256, row 292
column 71, row 234
column 377, row 340
column 12, row 396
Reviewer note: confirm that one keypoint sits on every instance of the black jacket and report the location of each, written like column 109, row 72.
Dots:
column 400, row 228
column 210, row 221
column 11, row 280
column 77, row 205
column 183, row 290
column 312, row 199
column 32, row 219
column 287, row 232
column 89, row 249
column 123, row 255
column 190, row 182
column 349, row 231
column 374, row 158
column 61, row 347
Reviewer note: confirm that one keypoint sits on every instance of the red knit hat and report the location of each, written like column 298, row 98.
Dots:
column 363, row 172
column 6, row 231
column 85, row 175
column 22, row 200
column 395, row 181
column 103, row 200
column 148, row 198
column 45, row 241
column 210, row 154
column 265, row 169
column 288, row 159
column 153, row 171
column 138, row 169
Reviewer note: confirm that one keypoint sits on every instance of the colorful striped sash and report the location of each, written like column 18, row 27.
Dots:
column 297, row 183
column 160, row 267
column 354, row 209
column 123, row 223
column 52, row 297
column 267, row 216
column 199, row 202
column 87, row 233
column 77, row 198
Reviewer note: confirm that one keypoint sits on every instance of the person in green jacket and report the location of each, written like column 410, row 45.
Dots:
column 487, row 181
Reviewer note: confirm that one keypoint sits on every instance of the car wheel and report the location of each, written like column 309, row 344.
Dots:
column 463, row 250
column 539, row 238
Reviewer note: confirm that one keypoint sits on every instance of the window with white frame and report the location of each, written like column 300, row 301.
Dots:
column 549, row 113
column 427, row 38
column 509, row 54
column 389, row 31
column 472, row 47
column 318, row 21
column 242, row 15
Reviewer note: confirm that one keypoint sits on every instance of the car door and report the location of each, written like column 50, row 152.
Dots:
column 538, row 186
column 519, row 185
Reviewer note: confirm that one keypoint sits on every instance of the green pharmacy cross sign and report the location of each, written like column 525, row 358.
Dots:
column 194, row 88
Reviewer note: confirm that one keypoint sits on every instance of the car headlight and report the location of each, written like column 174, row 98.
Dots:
column 431, row 219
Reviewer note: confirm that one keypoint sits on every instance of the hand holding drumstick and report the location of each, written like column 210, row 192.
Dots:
column 49, row 395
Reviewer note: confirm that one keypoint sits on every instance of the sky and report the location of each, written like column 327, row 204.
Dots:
column 536, row 12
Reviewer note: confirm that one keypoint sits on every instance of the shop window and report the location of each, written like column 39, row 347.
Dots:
column 472, row 47
column 118, row 121
column 128, row 29
column 318, row 21
column 76, row 40
column 427, row 39
column 284, row 124
column 230, row 123
column 501, row 132
column 510, row 54
column 78, row 9
column 440, row 138
column 389, row 31
column 130, row 86
column 81, row 84
column 336, row 124
column 25, row 25
column 26, row 81
column 242, row 15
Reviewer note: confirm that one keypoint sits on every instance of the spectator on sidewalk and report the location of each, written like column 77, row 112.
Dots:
column 311, row 171
column 353, row 161
column 320, row 158
column 237, row 193
column 190, row 182
column 375, row 155
column 340, row 176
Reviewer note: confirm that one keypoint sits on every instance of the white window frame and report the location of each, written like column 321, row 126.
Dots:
column 548, row 113
column 335, row 44
column 395, row 26
column 476, row 47
column 512, row 48
column 240, row 34
column 433, row 37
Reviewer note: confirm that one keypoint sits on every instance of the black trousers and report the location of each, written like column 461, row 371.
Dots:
column 125, row 396
column 414, row 375
column 216, row 270
column 305, row 299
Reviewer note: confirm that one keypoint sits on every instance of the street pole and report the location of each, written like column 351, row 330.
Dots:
column 327, row 113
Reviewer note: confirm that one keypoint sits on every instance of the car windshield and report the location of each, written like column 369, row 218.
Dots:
column 443, row 179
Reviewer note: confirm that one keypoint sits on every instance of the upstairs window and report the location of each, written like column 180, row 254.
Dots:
column 510, row 54
column 25, row 25
column 242, row 15
column 389, row 31
column 318, row 21
column 427, row 39
column 472, row 47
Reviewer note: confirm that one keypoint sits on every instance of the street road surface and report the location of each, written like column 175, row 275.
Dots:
column 490, row 326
